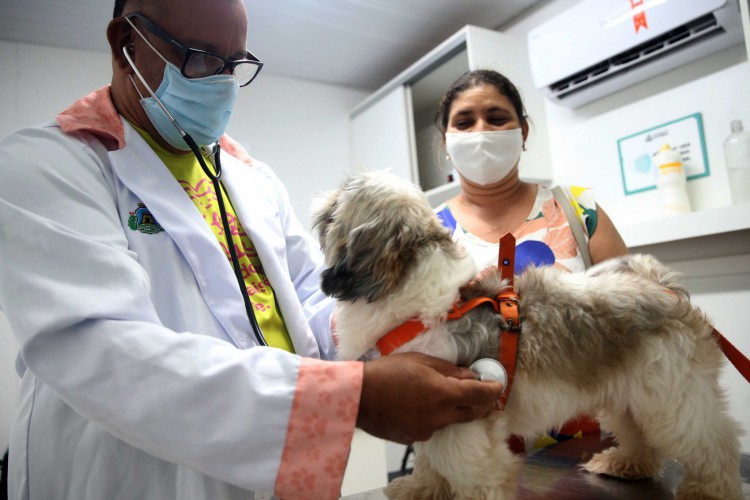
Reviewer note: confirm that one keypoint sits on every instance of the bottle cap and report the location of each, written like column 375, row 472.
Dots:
column 736, row 125
column 668, row 159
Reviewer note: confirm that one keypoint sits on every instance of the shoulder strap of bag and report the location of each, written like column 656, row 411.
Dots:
column 575, row 223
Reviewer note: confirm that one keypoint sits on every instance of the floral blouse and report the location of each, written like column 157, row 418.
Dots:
column 545, row 238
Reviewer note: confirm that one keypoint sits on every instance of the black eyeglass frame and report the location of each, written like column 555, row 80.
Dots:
column 186, row 51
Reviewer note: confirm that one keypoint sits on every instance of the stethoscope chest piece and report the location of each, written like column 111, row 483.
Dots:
column 490, row 369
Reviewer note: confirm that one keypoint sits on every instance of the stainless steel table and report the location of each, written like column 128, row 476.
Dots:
column 553, row 473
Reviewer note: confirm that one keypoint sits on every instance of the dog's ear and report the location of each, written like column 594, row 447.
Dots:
column 379, row 254
column 340, row 283
column 366, row 268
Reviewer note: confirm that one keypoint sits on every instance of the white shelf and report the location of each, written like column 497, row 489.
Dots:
column 690, row 225
column 708, row 233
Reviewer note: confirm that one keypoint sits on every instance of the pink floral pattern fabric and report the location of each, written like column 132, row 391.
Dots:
column 94, row 113
column 557, row 236
column 321, row 427
column 233, row 147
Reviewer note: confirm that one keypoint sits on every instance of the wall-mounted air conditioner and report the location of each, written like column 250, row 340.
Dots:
column 598, row 47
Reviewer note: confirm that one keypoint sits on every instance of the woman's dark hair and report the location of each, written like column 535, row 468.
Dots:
column 473, row 79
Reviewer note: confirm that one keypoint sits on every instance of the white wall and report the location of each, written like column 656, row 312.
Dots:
column 583, row 148
column 39, row 81
column 300, row 128
column 583, row 142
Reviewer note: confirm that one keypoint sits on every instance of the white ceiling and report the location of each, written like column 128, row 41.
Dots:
column 357, row 43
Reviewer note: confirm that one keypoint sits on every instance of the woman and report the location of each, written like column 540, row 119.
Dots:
column 484, row 128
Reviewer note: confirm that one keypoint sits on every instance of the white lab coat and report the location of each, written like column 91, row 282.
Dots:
column 126, row 396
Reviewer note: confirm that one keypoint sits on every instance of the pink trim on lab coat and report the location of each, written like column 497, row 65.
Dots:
column 320, row 431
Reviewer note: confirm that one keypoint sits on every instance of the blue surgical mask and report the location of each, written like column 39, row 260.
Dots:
column 200, row 106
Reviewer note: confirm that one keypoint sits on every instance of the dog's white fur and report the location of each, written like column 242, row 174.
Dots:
column 621, row 339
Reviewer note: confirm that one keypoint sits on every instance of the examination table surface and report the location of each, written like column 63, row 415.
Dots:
column 554, row 473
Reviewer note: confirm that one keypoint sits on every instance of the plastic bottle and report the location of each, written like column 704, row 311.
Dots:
column 671, row 182
column 737, row 156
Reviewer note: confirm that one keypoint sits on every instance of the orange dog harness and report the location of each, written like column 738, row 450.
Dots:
column 505, row 304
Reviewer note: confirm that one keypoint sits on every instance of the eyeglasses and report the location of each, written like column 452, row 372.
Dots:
column 198, row 63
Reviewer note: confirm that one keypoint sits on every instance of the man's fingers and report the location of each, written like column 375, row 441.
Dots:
column 446, row 368
column 473, row 393
column 408, row 396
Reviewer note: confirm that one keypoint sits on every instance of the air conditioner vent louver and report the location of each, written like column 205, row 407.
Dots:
column 678, row 38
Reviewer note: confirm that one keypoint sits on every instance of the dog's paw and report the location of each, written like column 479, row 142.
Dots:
column 413, row 487
column 612, row 462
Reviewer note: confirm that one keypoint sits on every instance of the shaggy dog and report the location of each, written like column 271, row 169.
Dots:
column 620, row 340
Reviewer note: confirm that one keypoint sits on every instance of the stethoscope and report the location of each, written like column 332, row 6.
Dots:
column 214, row 151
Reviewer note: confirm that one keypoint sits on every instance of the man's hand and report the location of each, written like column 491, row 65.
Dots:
column 408, row 396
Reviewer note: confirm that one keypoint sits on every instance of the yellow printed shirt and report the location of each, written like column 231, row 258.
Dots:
column 198, row 186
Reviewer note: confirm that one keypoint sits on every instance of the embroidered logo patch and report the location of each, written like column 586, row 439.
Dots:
column 141, row 220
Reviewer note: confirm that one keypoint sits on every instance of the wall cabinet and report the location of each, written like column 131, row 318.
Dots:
column 745, row 13
column 394, row 127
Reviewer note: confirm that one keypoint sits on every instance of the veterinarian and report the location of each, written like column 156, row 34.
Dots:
column 165, row 298
column 484, row 127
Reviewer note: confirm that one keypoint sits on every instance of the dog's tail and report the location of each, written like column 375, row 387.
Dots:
column 649, row 267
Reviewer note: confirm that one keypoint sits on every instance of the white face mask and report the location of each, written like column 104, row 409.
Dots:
column 484, row 157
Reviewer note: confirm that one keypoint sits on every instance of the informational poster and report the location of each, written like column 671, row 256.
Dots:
column 637, row 152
